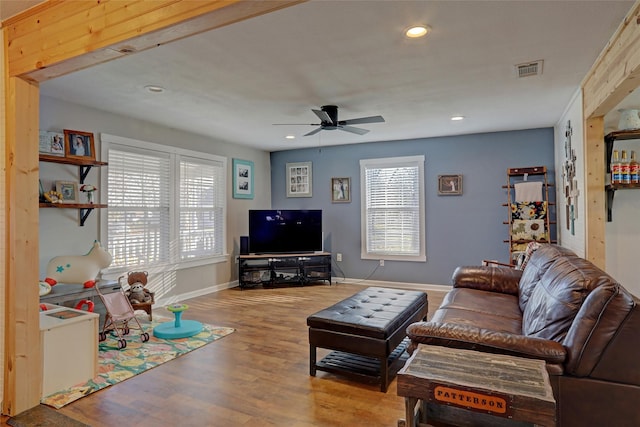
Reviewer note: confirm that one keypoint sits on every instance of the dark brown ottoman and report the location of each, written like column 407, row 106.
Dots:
column 367, row 330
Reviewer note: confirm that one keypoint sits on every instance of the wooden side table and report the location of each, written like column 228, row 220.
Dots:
column 466, row 387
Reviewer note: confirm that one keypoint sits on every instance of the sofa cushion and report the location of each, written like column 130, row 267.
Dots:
column 481, row 309
column 481, row 301
column 557, row 297
column 539, row 262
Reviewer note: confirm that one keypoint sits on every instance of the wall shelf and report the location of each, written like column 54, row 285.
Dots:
column 610, row 189
column 84, row 166
column 85, row 208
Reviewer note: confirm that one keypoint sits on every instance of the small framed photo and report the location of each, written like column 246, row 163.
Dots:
column 242, row 179
column 68, row 191
column 79, row 145
column 51, row 143
column 299, row 180
column 340, row 190
column 449, row 185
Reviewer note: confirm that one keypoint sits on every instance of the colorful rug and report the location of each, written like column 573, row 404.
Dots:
column 116, row 365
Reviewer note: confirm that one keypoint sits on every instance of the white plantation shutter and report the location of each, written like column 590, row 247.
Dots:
column 138, row 196
column 201, row 208
column 166, row 205
column 393, row 218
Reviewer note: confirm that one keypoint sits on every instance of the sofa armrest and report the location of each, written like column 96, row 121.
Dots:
column 473, row 338
column 487, row 278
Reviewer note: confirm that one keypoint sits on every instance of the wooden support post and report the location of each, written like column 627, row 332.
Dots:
column 595, row 195
column 23, row 355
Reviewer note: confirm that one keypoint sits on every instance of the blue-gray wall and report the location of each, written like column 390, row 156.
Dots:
column 461, row 230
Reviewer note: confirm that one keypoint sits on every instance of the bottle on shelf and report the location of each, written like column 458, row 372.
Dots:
column 634, row 169
column 616, row 168
column 625, row 176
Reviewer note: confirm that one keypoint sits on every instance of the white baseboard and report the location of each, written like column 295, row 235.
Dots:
column 400, row 285
column 219, row 287
column 200, row 292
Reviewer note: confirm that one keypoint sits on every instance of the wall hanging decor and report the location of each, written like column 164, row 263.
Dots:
column 449, row 185
column 340, row 190
column 569, row 181
column 242, row 179
column 299, row 180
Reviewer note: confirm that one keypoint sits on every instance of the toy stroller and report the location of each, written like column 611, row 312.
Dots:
column 119, row 313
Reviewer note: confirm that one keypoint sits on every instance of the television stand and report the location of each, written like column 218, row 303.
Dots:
column 294, row 268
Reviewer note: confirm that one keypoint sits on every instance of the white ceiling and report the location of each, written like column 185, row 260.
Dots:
column 234, row 83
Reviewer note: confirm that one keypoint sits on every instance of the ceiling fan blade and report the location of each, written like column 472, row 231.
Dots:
column 313, row 132
column 352, row 129
column 323, row 116
column 295, row 124
column 371, row 119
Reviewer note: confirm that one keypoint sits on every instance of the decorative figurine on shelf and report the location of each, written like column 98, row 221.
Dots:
column 78, row 268
column 53, row 196
column 629, row 119
column 89, row 189
column 137, row 292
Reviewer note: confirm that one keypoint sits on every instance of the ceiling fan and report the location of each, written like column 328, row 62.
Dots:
column 328, row 115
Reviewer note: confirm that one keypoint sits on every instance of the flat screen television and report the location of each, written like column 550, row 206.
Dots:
column 285, row 231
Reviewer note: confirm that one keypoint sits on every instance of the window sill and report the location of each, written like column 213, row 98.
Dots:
column 116, row 272
column 376, row 257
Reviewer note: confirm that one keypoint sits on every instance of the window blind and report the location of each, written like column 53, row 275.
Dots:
column 201, row 219
column 138, row 195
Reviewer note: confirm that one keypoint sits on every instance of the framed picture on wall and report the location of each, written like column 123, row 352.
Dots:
column 449, row 185
column 340, row 190
column 242, row 179
column 299, row 180
column 79, row 145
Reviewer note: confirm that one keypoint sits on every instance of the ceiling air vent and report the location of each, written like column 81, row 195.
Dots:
column 529, row 69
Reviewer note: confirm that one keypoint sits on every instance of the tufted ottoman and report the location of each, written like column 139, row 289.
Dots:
column 366, row 330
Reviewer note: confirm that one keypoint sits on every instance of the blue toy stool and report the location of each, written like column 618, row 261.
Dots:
column 178, row 328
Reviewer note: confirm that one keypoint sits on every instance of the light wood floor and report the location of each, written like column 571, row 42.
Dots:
column 257, row 376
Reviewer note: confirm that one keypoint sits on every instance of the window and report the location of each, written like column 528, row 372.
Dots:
column 393, row 208
column 166, row 205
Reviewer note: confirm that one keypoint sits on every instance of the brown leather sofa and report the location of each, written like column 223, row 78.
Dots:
column 562, row 309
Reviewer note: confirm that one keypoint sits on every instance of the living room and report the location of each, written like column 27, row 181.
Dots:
column 447, row 225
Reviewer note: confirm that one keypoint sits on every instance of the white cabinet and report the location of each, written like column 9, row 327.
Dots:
column 69, row 339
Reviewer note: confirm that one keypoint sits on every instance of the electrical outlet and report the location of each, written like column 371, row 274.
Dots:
column 339, row 257
column 381, row 263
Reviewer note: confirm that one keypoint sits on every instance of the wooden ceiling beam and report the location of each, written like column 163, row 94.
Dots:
column 57, row 38
column 616, row 72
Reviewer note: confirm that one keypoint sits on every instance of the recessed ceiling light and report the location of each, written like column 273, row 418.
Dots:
column 154, row 89
column 457, row 118
column 290, row 137
column 417, row 31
